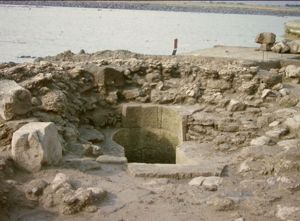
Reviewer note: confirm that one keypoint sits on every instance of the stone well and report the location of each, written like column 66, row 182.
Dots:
column 150, row 133
column 154, row 142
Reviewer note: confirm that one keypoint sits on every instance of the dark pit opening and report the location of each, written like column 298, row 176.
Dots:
column 147, row 145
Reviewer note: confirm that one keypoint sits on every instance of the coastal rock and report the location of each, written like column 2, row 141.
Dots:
column 292, row 71
column 294, row 46
column 281, row 47
column 265, row 38
column 36, row 144
column 14, row 100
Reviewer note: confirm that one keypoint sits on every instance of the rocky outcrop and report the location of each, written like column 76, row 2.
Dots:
column 266, row 39
column 287, row 46
column 36, row 144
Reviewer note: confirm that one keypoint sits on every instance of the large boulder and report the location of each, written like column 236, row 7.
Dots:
column 294, row 46
column 281, row 47
column 14, row 100
column 292, row 27
column 265, row 38
column 292, row 71
column 36, row 144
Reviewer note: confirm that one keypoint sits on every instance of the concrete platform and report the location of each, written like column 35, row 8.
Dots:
column 293, row 27
column 243, row 53
column 175, row 171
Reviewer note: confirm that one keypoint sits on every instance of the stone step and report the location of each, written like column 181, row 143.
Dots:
column 176, row 171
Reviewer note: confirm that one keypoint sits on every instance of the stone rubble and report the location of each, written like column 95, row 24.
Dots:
column 59, row 107
column 267, row 41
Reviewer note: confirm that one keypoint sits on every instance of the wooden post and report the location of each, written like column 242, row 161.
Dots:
column 175, row 46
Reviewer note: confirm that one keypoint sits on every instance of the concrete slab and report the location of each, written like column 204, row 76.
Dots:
column 243, row 53
column 175, row 171
column 195, row 153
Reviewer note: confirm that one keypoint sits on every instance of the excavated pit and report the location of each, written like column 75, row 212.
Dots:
column 149, row 133
column 147, row 145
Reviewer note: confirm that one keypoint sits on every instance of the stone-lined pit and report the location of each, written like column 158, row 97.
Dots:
column 150, row 133
column 147, row 145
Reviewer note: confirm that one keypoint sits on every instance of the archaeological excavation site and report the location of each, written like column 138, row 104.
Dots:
column 120, row 136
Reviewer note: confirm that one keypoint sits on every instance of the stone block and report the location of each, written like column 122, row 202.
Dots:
column 14, row 100
column 106, row 75
column 265, row 38
column 36, row 144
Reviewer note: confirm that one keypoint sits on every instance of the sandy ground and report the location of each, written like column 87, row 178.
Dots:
column 130, row 199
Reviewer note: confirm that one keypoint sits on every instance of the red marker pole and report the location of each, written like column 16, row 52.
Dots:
column 175, row 46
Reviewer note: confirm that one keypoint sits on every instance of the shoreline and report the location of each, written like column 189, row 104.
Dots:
column 179, row 6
